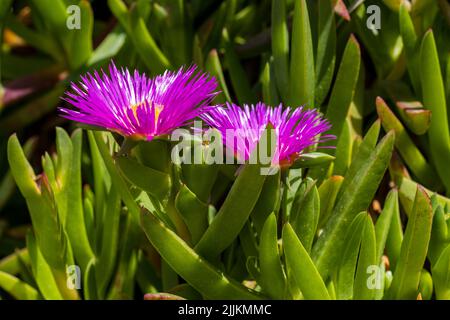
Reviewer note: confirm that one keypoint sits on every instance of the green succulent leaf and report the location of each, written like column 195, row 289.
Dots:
column 11, row 264
column 17, row 288
column 81, row 46
column 344, row 87
column 326, row 52
column 75, row 224
column 305, row 214
column 302, row 75
column 439, row 235
column 345, row 273
column 426, row 285
column 280, row 47
column 301, row 267
column 415, row 117
column 193, row 211
column 411, row 44
column 268, row 202
column 312, row 159
column 328, row 192
column 214, row 67
column 408, row 150
column 383, row 224
column 355, row 196
column 406, row 192
column 238, row 205
column 441, row 275
column 405, row 284
column 41, row 271
column 345, row 147
column 154, row 182
column 203, row 277
column 364, row 288
column 239, row 79
column 272, row 277
column 434, row 98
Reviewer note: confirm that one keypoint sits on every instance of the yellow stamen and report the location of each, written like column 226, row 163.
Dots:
column 134, row 108
column 158, row 109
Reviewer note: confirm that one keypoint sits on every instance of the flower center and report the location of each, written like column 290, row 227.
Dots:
column 158, row 109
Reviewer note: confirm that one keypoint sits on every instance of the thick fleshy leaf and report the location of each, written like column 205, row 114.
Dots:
column 355, row 197
column 272, row 277
column 214, row 67
column 138, row 32
column 75, row 225
column 345, row 147
column 328, row 192
column 345, row 273
column 17, row 288
column 406, row 192
column 312, row 159
column 441, row 275
column 239, row 79
column 383, row 224
column 302, row 75
column 434, row 98
column 367, row 146
column 302, row 268
column 326, row 52
column 193, row 211
column 439, row 233
column 268, row 202
column 8, row 185
column 155, row 154
column 41, row 271
column 415, row 117
column 44, row 214
column 405, row 284
column 292, row 182
column 426, row 285
column 280, row 47
column 55, row 20
column 107, row 255
column 108, row 48
column 81, row 46
column 269, row 89
column 102, row 140
column 89, row 282
column 305, row 213
column 411, row 43
column 248, row 241
column 408, row 150
column 200, row 178
column 11, row 264
column 154, row 182
column 124, row 280
column 233, row 213
column 238, row 205
column 363, row 288
column 202, row 276
column 344, row 87
column 394, row 239
column 396, row 4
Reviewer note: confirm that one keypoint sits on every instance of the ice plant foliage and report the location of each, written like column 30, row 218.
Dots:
column 216, row 219
column 295, row 129
column 136, row 106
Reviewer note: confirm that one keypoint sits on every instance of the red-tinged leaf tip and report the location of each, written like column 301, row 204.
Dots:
column 341, row 9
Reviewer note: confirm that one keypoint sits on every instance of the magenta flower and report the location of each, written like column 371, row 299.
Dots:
column 295, row 129
column 136, row 106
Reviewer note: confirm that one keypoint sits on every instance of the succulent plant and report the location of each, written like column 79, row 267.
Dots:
column 113, row 216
